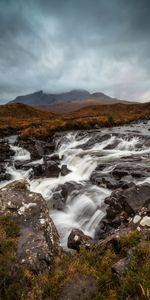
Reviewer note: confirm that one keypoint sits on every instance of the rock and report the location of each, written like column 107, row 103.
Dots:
column 120, row 267
column 60, row 195
column 111, row 241
column 119, row 173
column 104, row 180
column 57, row 201
column 64, row 170
column 19, row 164
column 131, row 169
column 136, row 197
column 78, row 238
column 145, row 221
column 54, row 157
column 37, row 148
column 95, row 138
column 5, row 152
column 68, row 188
column 48, row 169
column 130, row 200
column 38, row 239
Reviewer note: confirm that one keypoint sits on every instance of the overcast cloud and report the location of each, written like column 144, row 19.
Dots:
column 58, row 45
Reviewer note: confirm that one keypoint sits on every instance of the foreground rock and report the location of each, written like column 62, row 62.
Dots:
column 38, row 238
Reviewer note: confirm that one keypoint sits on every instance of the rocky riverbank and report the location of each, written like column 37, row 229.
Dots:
column 89, row 191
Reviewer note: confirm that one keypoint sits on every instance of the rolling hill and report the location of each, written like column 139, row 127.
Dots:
column 30, row 121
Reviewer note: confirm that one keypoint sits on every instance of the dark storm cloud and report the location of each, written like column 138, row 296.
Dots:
column 57, row 45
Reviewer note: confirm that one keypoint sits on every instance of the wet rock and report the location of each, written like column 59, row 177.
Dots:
column 37, row 148
column 78, row 238
column 19, row 164
column 60, row 195
column 64, row 170
column 48, row 169
column 123, row 206
column 68, row 188
column 95, row 138
column 6, row 152
column 130, row 200
column 104, row 180
column 57, row 201
column 131, row 169
column 38, row 238
column 54, row 157
column 119, row 173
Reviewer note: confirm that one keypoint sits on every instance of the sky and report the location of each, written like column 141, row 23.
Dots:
column 60, row 45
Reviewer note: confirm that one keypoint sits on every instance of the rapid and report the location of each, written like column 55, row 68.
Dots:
column 82, row 153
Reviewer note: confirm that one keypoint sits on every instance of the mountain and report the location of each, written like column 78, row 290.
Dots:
column 66, row 102
column 41, row 98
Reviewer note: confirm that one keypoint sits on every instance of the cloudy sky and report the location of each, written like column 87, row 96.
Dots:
column 58, row 45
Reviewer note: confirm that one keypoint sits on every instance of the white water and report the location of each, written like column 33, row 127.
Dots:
column 84, row 208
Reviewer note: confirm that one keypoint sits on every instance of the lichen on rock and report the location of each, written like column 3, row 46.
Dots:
column 38, row 238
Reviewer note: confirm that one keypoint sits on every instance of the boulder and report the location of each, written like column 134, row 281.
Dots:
column 6, row 152
column 64, row 170
column 19, row 164
column 104, row 180
column 120, row 267
column 48, row 169
column 37, row 148
column 38, row 240
column 130, row 200
column 57, row 201
column 77, row 238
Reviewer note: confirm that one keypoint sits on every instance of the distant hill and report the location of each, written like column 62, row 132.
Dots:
column 66, row 102
column 22, row 111
column 31, row 121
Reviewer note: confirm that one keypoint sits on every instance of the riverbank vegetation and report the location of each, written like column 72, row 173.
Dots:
column 29, row 121
column 87, row 274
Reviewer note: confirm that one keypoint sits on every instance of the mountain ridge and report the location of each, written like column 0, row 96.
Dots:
column 72, row 95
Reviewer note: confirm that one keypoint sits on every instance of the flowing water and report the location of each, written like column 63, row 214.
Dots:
column 82, row 153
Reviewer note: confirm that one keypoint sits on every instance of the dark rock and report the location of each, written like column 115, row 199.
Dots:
column 19, row 164
column 38, row 238
column 60, row 195
column 104, row 180
column 48, row 169
column 96, row 138
column 57, row 201
column 78, row 238
column 6, row 152
column 136, row 197
column 54, row 157
column 119, row 173
column 64, row 170
column 68, row 188
column 37, row 148
column 124, row 204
